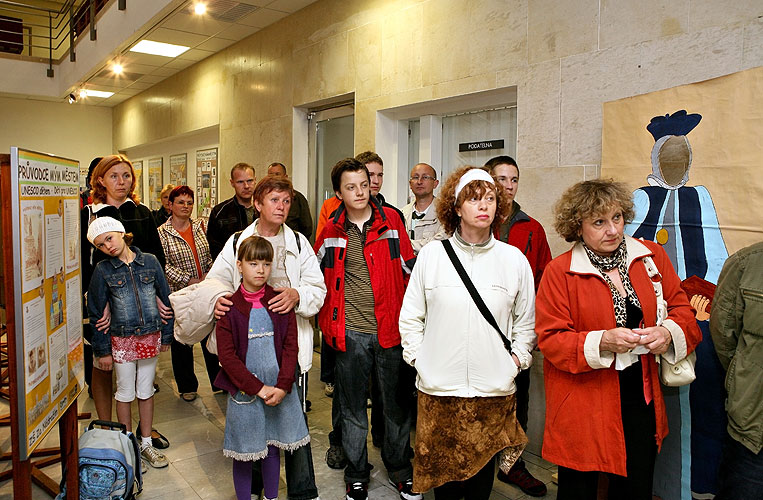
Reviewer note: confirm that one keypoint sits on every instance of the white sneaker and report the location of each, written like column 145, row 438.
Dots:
column 154, row 458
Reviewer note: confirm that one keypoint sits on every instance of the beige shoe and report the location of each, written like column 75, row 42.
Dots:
column 154, row 458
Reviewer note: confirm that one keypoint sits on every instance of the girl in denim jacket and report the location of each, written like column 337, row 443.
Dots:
column 129, row 281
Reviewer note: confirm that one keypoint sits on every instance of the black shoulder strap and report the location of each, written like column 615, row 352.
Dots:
column 474, row 293
column 236, row 236
column 299, row 243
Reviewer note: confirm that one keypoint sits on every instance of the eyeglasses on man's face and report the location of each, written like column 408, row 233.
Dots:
column 416, row 178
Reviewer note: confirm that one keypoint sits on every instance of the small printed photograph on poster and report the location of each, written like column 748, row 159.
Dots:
column 137, row 166
column 32, row 244
column 56, row 302
column 35, row 356
column 73, row 312
column 71, row 218
column 178, row 170
column 54, row 243
column 59, row 373
column 206, row 181
column 155, row 179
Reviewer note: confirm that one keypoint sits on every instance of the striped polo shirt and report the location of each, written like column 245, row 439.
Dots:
column 358, row 294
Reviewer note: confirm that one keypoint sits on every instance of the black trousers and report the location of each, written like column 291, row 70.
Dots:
column 477, row 487
column 182, row 366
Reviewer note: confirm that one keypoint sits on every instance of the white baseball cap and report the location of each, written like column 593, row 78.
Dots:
column 103, row 225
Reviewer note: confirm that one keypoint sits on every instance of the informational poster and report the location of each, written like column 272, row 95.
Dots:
column 48, row 292
column 138, row 167
column 206, row 182
column 155, row 179
column 179, row 169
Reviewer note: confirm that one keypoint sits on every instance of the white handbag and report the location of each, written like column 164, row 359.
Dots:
column 681, row 372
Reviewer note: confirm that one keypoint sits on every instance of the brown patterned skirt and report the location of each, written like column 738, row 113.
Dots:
column 456, row 437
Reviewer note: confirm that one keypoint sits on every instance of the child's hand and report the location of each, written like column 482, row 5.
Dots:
column 164, row 312
column 102, row 325
column 265, row 392
column 164, row 348
column 275, row 397
column 105, row 363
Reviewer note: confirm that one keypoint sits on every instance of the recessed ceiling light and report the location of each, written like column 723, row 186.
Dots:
column 95, row 93
column 159, row 48
column 200, row 8
column 117, row 68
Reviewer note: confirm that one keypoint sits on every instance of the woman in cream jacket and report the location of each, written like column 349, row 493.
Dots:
column 466, row 409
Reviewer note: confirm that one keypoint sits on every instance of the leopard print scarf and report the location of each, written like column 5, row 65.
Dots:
column 617, row 260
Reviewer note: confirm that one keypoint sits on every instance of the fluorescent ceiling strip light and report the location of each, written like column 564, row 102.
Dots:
column 159, row 48
column 95, row 93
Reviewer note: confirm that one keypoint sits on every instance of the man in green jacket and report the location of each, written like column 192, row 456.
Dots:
column 736, row 324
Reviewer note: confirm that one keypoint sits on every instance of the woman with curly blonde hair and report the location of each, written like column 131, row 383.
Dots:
column 466, row 363
column 600, row 328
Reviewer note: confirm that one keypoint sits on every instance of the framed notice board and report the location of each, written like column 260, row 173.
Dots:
column 48, row 297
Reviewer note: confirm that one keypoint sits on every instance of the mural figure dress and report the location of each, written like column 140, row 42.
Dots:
column 683, row 220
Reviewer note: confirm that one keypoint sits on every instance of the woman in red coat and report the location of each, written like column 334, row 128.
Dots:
column 597, row 324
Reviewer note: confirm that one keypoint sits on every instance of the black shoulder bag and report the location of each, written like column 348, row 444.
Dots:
column 474, row 293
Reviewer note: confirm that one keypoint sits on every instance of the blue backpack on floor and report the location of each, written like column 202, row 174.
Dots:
column 109, row 463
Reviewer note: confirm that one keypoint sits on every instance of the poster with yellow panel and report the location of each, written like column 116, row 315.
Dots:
column 48, row 290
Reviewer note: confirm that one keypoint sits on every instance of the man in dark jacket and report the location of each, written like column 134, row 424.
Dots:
column 299, row 218
column 233, row 214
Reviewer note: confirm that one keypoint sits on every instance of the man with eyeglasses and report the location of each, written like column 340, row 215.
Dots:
column 233, row 214
column 421, row 214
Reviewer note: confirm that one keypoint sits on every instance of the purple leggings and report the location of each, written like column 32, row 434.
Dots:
column 271, row 469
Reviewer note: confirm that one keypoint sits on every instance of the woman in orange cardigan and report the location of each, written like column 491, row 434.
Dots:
column 596, row 320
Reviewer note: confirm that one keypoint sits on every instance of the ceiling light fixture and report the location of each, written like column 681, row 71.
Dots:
column 72, row 98
column 159, row 48
column 95, row 93
column 117, row 68
column 200, row 8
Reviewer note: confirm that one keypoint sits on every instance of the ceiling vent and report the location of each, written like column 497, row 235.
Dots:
column 229, row 11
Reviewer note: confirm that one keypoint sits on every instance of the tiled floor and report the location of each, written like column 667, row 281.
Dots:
column 197, row 467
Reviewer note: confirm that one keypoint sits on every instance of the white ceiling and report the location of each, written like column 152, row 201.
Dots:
column 224, row 23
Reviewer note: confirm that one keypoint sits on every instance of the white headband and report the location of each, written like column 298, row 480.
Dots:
column 475, row 174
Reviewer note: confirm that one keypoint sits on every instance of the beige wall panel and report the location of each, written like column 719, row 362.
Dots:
column 692, row 57
column 402, row 41
column 538, row 104
column 539, row 188
column 753, row 44
column 498, row 37
column 705, row 13
column 365, row 59
column 587, row 80
column 321, row 70
column 467, row 85
column 627, row 22
column 557, row 29
column 446, row 35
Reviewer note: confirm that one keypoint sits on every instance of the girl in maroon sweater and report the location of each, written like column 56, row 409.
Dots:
column 258, row 354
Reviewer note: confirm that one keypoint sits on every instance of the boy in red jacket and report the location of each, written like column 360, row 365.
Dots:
column 365, row 256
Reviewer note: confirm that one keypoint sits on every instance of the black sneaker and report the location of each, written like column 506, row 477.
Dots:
column 405, row 490
column 357, row 491
column 521, row 477
column 335, row 457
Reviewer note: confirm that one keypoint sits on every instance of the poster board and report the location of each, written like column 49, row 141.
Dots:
column 47, row 291
column 206, row 182
column 155, row 182
column 179, row 169
column 137, row 166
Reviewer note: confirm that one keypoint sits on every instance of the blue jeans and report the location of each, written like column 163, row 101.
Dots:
column 741, row 472
column 353, row 369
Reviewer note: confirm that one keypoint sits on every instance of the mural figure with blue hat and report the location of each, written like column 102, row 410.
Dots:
column 683, row 220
